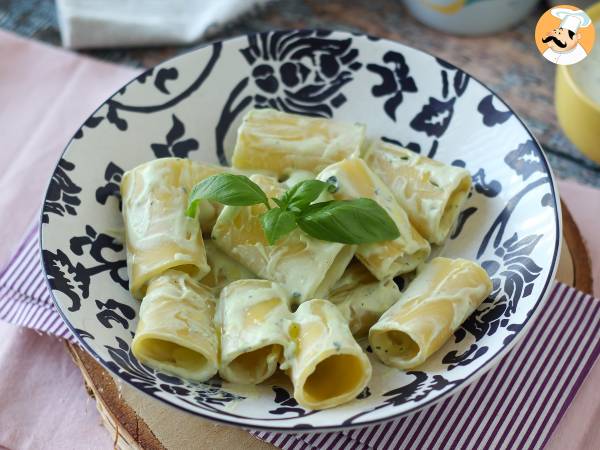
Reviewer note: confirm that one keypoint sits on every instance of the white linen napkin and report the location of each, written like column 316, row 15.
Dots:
column 129, row 23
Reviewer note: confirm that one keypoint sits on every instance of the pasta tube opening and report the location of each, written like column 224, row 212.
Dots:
column 172, row 355
column 334, row 377
column 396, row 344
column 257, row 365
column 326, row 365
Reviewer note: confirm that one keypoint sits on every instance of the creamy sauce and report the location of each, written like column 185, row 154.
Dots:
column 384, row 259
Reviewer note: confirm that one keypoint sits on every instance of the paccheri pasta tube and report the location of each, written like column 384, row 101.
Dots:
column 306, row 266
column 252, row 315
column 443, row 295
column 223, row 268
column 175, row 331
column 281, row 142
column 326, row 365
column 363, row 305
column 158, row 234
column 353, row 179
column 356, row 274
column 361, row 298
column 431, row 193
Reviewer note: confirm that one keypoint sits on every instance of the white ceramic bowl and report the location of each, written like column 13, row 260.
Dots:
column 191, row 106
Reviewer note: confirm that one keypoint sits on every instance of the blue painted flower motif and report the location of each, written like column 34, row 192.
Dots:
column 174, row 145
column 419, row 388
column 92, row 122
column 73, row 280
column 211, row 393
column 177, row 390
column 525, row 160
column 164, row 75
column 114, row 106
column 287, row 403
column 114, row 311
column 113, row 175
column 62, row 196
column 491, row 116
column 300, row 71
column 105, row 250
column 488, row 188
column 434, row 117
column 395, row 81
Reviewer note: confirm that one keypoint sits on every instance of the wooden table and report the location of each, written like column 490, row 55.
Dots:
column 508, row 62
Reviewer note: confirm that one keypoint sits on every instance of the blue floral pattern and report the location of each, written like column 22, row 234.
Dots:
column 62, row 196
column 175, row 144
column 395, row 81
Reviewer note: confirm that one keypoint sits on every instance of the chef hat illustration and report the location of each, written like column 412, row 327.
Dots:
column 570, row 19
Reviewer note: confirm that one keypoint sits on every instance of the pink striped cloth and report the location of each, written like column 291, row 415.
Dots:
column 25, row 299
column 516, row 405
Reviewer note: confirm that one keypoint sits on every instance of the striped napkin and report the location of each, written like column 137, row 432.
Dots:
column 24, row 295
column 516, row 405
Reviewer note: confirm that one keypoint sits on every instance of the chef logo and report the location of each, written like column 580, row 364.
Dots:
column 564, row 35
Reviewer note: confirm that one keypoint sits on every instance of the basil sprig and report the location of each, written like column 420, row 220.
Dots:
column 356, row 221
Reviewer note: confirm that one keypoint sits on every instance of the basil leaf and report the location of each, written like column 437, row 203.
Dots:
column 228, row 189
column 278, row 202
column 276, row 223
column 357, row 221
column 303, row 194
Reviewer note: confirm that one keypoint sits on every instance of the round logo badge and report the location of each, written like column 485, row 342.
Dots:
column 565, row 35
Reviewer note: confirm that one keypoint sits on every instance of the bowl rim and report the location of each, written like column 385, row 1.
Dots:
column 460, row 385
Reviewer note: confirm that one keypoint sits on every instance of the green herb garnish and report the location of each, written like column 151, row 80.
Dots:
column 355, row 221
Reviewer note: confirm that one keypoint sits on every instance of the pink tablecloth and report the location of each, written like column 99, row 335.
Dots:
column 45, row 93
